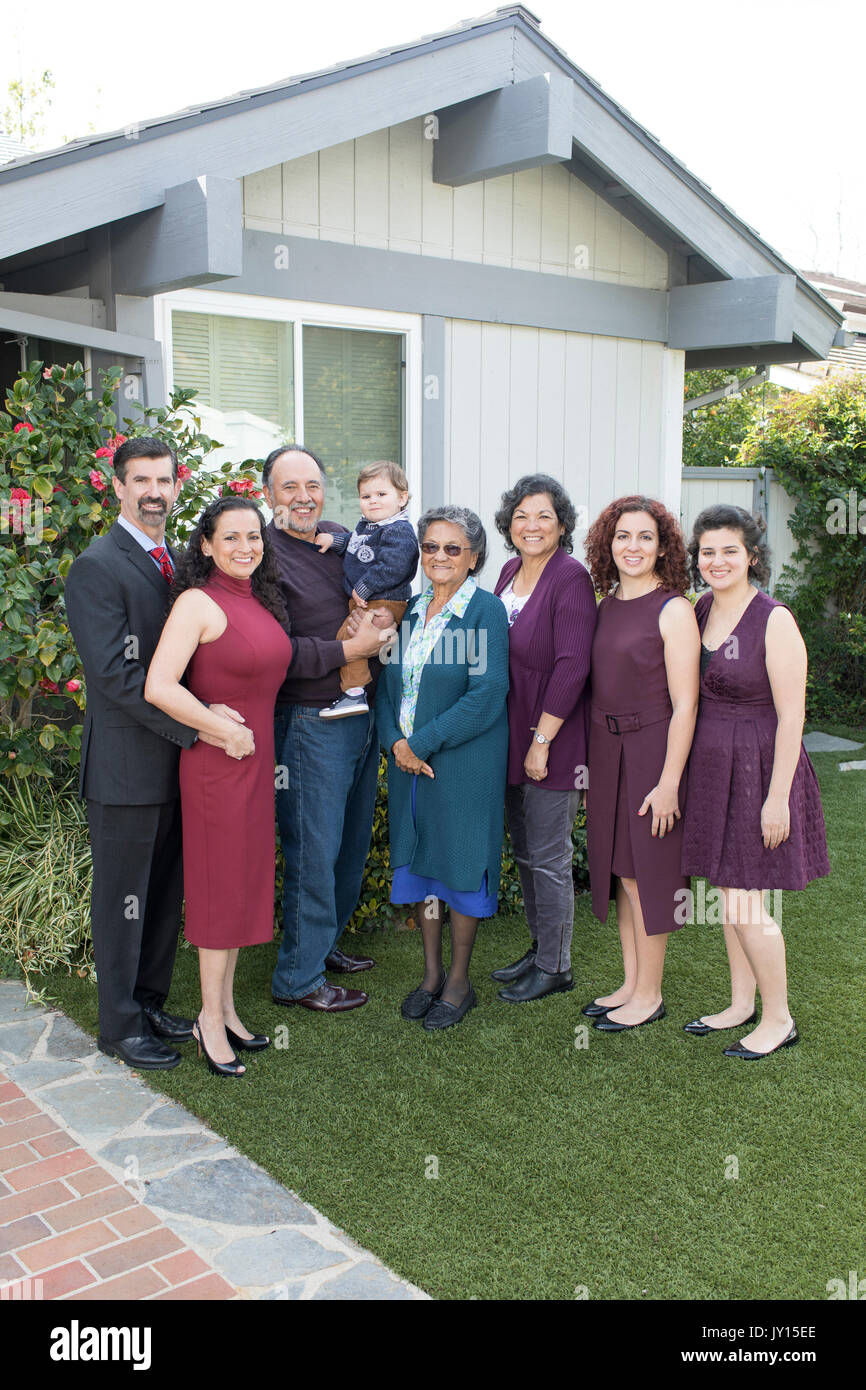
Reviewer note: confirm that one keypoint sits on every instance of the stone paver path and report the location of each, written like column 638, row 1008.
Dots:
column 110, row 1191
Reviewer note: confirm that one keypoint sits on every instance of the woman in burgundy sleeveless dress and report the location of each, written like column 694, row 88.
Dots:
column 753, row 817
column 228, row 631
column 644, row 677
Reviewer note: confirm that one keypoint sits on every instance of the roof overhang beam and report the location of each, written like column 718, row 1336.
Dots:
column 194, row 238
column 521, row 126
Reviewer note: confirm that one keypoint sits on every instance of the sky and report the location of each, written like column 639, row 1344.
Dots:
column 759, row 100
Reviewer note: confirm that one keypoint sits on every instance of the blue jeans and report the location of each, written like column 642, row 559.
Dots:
column 325, row 815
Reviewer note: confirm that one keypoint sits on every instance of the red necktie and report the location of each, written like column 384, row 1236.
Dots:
column 160, row 554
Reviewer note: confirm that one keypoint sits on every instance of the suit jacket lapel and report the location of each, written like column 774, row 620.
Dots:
column 139, row 557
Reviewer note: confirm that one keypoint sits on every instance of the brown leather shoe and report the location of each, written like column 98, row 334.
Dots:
column 328, row 999
column 341, row 964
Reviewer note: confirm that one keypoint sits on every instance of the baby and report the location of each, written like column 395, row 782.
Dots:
column 381, row 557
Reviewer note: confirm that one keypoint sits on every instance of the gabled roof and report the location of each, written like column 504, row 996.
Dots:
column 57, row 194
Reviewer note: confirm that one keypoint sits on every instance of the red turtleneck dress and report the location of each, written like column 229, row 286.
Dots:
column 228, row 805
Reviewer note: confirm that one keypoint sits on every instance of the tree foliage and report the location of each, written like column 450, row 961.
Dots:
column 712, row 434
column 816, row 444
column 28, row 102
column 56, row 447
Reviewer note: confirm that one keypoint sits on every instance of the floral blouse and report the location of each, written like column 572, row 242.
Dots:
column 417, row 651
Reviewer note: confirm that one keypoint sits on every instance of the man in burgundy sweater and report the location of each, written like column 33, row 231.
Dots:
column 326, row 769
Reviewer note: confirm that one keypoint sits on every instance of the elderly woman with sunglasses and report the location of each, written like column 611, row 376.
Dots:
column 440, row 712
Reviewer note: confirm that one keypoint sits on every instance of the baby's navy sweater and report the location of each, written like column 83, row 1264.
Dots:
column 379, row 559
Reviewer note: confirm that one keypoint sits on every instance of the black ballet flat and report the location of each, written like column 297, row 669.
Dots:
column 699, row 1029
column 608, row 1025
column 737, row 1050
column 257, row 1043
column 595, row 1010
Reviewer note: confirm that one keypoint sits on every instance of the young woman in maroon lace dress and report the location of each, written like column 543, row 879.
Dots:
column 753, row 816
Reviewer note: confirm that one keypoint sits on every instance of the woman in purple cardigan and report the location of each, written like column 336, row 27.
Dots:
column 549, row 599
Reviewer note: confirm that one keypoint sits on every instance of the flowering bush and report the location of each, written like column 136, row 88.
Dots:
column 56, row 447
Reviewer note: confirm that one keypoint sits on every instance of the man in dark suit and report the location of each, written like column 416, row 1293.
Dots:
column 116, row 601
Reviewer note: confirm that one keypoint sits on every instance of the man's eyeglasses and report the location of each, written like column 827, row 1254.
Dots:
column 451, row 548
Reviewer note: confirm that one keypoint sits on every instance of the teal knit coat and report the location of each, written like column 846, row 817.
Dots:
column 461, row 730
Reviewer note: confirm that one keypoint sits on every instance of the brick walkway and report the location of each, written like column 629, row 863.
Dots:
column 110, row 1190
column 70, row 1231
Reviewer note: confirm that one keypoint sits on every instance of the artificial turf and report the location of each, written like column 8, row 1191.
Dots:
column 643, row 1165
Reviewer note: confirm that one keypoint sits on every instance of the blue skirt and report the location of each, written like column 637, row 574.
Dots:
column 407, row 887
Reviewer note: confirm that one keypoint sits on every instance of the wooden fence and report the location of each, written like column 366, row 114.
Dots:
column 756, row 489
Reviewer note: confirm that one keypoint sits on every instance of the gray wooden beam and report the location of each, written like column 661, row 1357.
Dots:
column 79, row 335
column 729, row 313
column 193, row 239
column 433, row 412
column 331, row 272
column 699, row 360
column 518, row 127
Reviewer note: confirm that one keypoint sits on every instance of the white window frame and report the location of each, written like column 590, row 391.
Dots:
column 304, row 313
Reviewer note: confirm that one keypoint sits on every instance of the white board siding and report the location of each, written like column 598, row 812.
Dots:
column 378, row 191
column 593, row 412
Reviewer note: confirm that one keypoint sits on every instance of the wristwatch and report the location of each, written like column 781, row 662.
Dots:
column 540, row 738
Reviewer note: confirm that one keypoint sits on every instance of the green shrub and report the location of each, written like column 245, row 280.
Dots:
column 45, row 874
column 817, row 445
column 56, row 450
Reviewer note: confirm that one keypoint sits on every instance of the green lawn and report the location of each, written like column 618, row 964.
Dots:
column 561, row 1166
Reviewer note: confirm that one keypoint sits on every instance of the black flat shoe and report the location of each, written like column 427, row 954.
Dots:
column 233, row 1068
column 535, row 983
column 419, row 1003
column 596, row 1010
column 737, row 1050
column 445, row 1015
column 515, row 970
column 257, row 1043
column 699, row 1029
column 607, row 1025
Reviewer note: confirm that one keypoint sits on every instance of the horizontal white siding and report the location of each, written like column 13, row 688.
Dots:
column 593, row 412
column 379, row 191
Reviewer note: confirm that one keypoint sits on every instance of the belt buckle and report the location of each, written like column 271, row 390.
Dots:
column 612, row 723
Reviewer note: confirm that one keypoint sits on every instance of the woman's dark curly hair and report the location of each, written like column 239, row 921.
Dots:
column 725, row 516
column 670, row 566
column 195, row 568
column 529, row 486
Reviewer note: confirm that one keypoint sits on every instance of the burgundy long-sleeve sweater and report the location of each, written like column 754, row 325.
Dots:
column 312, row 587
column 549, row 648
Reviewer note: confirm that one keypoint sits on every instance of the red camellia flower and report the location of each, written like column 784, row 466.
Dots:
column 49, row 687
column 244, row 485
column 104, row 452
column 19, row 494
column 183, row 472
column 97, row 480
column 23, row 425
column 73, row 686
column 115, row 442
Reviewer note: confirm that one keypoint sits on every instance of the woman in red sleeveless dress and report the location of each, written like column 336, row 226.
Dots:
column 644, row 677
column 228, row 630
column 753, row 819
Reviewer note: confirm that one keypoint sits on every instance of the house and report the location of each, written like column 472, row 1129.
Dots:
column 460, row 253
column 849, row 352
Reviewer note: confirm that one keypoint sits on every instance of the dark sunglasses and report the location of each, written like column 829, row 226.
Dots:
column 450, row 549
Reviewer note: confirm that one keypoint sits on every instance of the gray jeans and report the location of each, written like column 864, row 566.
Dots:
column 539, row 822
